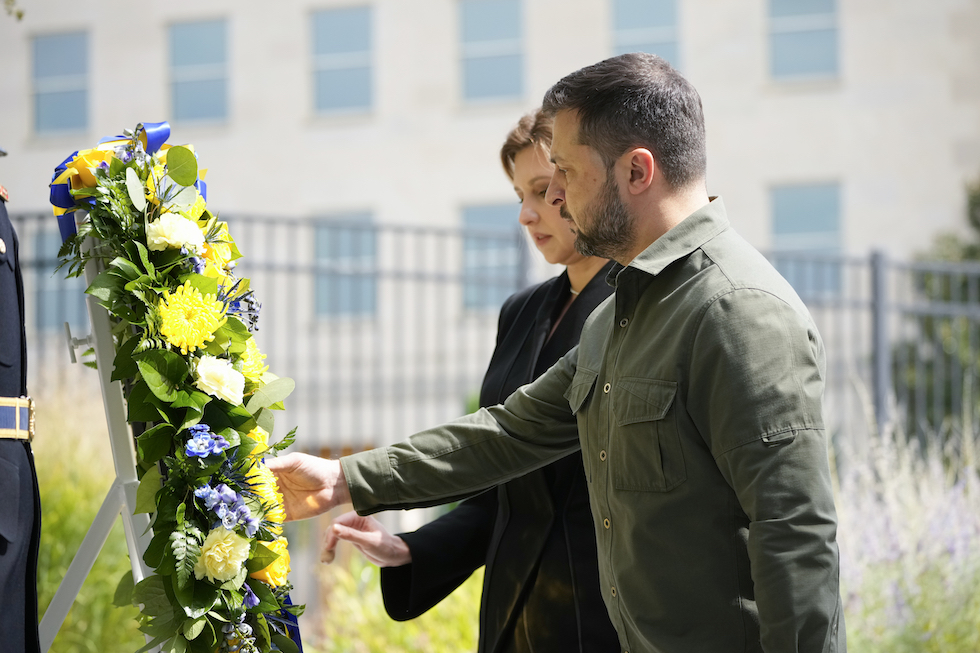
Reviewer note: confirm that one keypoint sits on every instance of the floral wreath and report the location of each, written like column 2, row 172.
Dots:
column 199, row 396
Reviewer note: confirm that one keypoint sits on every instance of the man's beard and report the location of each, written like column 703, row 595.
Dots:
column 611, row 229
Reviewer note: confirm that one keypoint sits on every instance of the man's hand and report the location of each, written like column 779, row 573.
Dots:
column 370, row 537
column 310, row 485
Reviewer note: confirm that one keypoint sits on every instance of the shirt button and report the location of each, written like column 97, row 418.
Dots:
column 605, row 522
column 613, row 591
column 624, row 322
column 602, row 455
column 606, row 387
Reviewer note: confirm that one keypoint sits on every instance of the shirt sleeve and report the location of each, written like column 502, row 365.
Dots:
column 533, row 427
column 757, row 383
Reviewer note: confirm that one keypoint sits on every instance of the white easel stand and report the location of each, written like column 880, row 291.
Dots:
column 121, row 498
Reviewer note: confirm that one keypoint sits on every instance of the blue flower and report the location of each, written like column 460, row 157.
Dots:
column 203, row 442
column 209, row 494
column 250, row 599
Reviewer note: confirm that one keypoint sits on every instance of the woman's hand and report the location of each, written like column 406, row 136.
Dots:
column 310, row 485
column 370, row 537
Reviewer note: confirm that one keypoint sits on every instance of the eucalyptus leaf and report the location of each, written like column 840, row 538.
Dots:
column 147, row 491
column 137, row 194
column 182, row 165
column 266, row 419
column 270, row 394
column 185, row 199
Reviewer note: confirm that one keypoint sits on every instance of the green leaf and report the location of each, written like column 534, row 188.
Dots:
column 151, row 594
column 185, row 543
column 163, row 371
column 177, row 645
column 145, row 258
column 115, row 166
column 182, row 165
column 207, row 285
column 105, row 286
column 266, row 419
column 236, row 582
column 155, row 551
column 123, row 365
column 152, row 643
column 143, row 405
column 267, row 600
column 185, row 199
column 124, row 590
column 270, row 394
column 196, row 598
column 194, row 627
column 155, row 443
column 125, row 268
column 147, row 491
column 260, row 558
column 191, row 399
column 285, row 644
column 137, row 194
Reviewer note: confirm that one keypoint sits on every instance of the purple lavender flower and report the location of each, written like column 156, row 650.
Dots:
column 209, row 494
column 251, row 600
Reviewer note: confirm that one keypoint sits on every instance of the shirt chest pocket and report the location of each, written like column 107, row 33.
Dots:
column 645, row 450
column 579, row 395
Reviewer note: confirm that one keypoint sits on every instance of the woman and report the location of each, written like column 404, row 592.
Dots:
column 534, row 534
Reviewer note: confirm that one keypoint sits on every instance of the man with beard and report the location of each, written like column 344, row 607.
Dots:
column 695, row 395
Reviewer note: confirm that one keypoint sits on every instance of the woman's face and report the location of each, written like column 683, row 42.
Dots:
column 550, row 232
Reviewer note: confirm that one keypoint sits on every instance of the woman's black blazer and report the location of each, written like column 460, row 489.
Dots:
column 535, row 534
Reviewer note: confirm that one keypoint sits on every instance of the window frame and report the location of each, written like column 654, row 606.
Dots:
column 810, row 23
column 48, row 85
column 343, row 61
column 477, row 50
column 200, row 72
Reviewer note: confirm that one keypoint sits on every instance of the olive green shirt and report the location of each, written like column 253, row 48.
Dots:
column 695, row 395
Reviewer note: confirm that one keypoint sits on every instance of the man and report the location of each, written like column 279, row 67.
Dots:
column 696, row 390
column 20, row 506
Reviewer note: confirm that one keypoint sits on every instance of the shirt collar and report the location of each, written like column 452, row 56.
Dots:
column 692, row 232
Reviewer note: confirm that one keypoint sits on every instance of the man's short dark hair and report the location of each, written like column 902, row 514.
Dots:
column 636, row 100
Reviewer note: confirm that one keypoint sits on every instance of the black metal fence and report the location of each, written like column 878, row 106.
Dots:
column 388, row 328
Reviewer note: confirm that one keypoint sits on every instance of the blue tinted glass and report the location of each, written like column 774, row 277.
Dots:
column 61, row 111
column 61, row 54
column 343, row 88
column 490, row 20
column 351, row 288
column 491, row 255
column 806, row 209
column 200, row 100
column 804, row 53
column 634, row 14
column 493, row 77
column 338, row 31
column 778, row 8
column 198, row 43
column 666, row 50
column 58, row 300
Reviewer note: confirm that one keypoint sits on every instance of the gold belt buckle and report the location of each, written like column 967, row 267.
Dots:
column 30, row 419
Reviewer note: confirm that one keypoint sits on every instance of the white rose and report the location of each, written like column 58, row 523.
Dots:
column 222, row 555
column 172, row 230
column 218, row 378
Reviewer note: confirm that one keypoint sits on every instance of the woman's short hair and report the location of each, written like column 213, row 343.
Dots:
column 532, row 130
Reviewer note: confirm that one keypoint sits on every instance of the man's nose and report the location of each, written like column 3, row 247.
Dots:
column 556, row 192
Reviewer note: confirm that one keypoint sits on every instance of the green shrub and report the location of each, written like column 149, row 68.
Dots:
column 355, row 620
column 75, row 470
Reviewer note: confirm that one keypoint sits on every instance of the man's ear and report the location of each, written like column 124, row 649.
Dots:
column 640, row 166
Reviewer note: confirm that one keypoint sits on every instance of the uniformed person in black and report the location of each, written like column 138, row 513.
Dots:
column 20, row 506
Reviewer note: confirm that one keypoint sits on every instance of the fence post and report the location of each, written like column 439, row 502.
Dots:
column 880, row 342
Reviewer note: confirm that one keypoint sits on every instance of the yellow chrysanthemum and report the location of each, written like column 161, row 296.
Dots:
column 252, row 358
column 261, row 436
column 188, row 318
column 277, row 572
column 263, row 483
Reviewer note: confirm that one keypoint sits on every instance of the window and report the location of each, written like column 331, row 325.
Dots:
column 342, row 59
column 493, row 65
column 803, row 38
column 492, row 255
column 346, row 257
column 61, row 82
column 646, row 26
column 59, row 300
column 807, row 236
column 199, row 71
